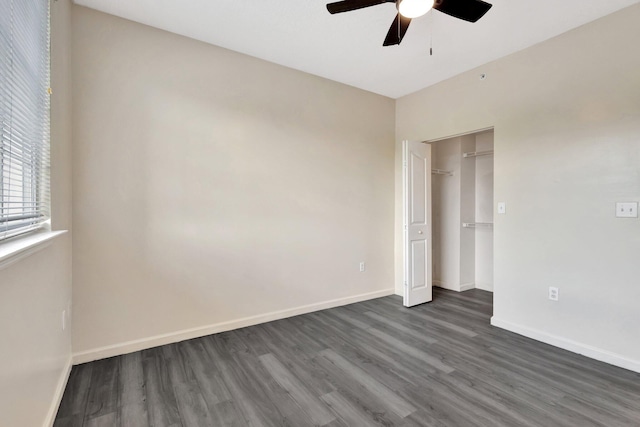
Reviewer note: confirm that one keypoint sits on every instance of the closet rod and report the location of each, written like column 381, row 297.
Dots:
column 478, row 153
column 441, row 172
column 477, row 225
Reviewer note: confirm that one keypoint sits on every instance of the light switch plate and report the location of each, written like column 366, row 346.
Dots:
column 502, row 208
column 627, row 210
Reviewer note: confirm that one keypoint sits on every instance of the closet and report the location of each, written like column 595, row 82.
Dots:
column 462, row 217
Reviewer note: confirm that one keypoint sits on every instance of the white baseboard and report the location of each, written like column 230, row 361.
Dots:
column 59, row 392
column 467, row 286
column 457, row 288
column 566, row 344
column 173, row 337
column 484, row 286
column 444, row 285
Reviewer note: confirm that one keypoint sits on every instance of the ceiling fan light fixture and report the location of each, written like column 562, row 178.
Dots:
column 414, row 8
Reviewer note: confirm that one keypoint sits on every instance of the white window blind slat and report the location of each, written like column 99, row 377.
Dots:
column 24, row 115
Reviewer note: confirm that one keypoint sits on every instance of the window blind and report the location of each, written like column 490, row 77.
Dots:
column 24, row 116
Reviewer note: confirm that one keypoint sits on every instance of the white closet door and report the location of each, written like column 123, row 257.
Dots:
column 417, row 223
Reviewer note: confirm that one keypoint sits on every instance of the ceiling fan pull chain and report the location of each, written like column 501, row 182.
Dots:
column 431, row 34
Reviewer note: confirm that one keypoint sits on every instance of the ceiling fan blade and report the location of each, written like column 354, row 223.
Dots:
column 468, row 10
column 397, row 31
column 348, row 5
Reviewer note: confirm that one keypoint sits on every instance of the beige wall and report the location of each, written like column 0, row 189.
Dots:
column 210, row 186
column 35, row 352
column 567, row 139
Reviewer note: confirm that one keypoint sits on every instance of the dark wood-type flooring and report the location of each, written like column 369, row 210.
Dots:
column 366, row 364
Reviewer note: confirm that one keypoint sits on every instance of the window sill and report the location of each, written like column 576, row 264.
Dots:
column 13, row 250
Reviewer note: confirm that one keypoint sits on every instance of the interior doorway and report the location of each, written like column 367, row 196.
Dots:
column 462, row 211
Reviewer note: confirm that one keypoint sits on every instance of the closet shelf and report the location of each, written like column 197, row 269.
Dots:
column 441, row 172
column 478, row 153
column 477, row 225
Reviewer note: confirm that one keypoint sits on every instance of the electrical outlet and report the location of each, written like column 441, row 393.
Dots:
column 362, row 266
column 553, row 293
column 502, row 208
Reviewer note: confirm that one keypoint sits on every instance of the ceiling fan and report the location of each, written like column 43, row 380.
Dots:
column 468, row 10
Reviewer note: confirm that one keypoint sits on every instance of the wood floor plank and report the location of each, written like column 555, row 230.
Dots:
column 301, row 363
column 106, row 420
column 248, row 393
column 445, row 324
column 348, row 318
column 286, row 410
column 213, row 388
column 133, row 414
column 421, row 419
column 76, row 420
column 103, row 392
column 411, row 351
column 194, row 411
column 378, row 364
column 354, row 345
column 570, row 383
column 346, row 411
column 179, row 366
column 457, row 308
column 602, row 414
column 577, row 368
column 433, row 326
column 285, row 335
column 226, row 414
column 449, row 410
column 359, row 396
column 161, row 400
column 419, row 335
column 318, row 412
column 372, row 363
column 74, row 400
column 493, row 404
column 390, row 399
column 131, row 389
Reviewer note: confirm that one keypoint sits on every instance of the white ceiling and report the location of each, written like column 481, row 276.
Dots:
column 348, row 47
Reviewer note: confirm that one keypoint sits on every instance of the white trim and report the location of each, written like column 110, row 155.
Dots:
column 19, row 247
column 405, row 222
column 457, row 288
column 173, row 337
column 444, row 285
column 467, row 286
column 485, row 286
column 59, row 392
column 471, row 132
column 567, row 344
